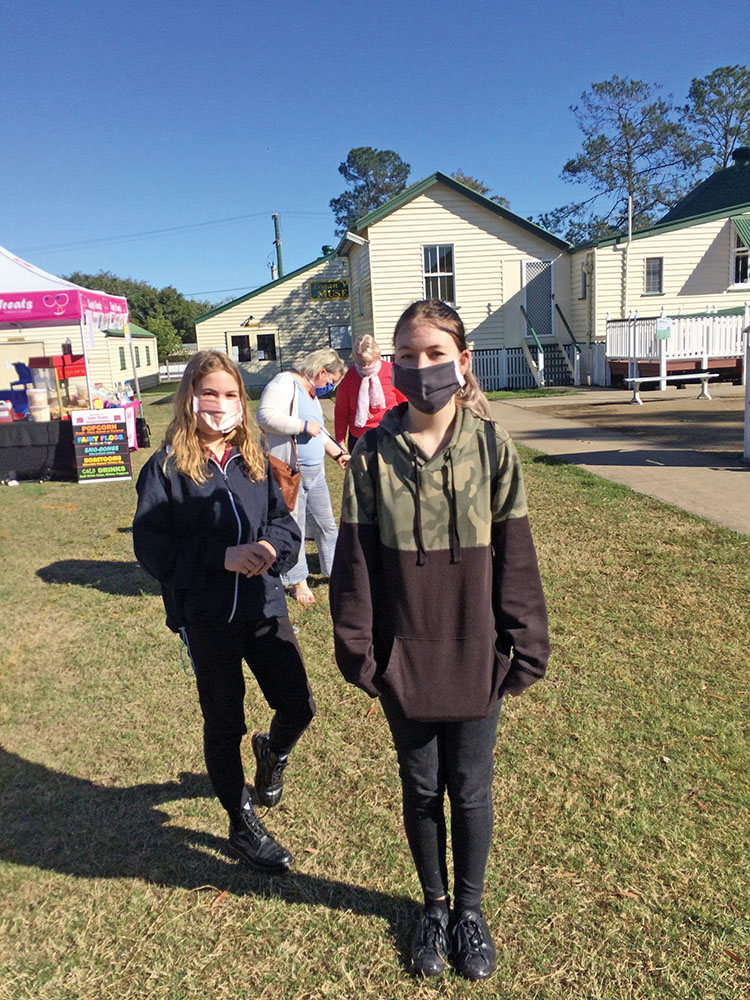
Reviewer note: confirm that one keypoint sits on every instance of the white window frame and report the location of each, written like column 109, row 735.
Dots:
column 738, row 245
column 439, row 274
column 646, row 290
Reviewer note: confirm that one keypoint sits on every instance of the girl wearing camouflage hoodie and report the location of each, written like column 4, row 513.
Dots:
column 438, row 610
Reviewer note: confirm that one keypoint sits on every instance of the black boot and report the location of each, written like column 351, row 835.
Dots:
column 251, row 842
column 431, row 945
column 269, row 774
column 473, row 947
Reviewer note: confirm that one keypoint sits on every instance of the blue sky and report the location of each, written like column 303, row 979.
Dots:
column 122, row 119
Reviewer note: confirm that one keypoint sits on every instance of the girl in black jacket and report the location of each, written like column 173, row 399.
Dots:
column 212, row 528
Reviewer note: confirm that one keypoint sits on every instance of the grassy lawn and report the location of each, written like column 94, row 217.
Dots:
column 620, row 857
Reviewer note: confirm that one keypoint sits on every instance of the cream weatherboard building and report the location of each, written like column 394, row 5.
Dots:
column 521, row 291
column 270, row 329
column 440, row 239
column 693, row 261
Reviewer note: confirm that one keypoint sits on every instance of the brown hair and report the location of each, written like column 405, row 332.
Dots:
column 182, row 437
column 445, row 318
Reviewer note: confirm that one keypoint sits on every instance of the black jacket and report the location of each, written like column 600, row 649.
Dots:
column 181, row 532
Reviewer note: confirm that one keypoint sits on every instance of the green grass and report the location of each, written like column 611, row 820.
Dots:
column 502, row 394
column 619, row 863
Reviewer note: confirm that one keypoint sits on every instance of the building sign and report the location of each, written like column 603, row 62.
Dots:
column 663, row 328
column 100, row 439
column 329, row 289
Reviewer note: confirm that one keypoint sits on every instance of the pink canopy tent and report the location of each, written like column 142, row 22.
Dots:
column 30, row 297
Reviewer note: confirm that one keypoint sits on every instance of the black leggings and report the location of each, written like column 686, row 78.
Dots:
column 434, row 757
column 271, row 650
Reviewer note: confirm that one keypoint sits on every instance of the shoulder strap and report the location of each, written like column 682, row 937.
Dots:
column 489, row 430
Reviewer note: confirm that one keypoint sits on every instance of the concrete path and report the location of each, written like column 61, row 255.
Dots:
column 714, row 484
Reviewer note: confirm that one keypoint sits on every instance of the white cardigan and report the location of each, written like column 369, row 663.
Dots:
column 277, row 416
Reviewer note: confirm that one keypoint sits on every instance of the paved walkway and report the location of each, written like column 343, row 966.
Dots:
column 711, row 482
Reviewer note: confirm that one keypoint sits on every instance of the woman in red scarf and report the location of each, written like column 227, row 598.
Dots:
column 364, row 394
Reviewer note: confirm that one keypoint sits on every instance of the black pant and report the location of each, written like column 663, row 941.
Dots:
column 271, row 650
column 434, row 757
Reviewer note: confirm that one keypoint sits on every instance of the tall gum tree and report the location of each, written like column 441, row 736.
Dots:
column 375, row 176
column 633, row 146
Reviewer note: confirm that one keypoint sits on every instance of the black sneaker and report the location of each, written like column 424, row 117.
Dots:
column 431, row 945
column 251, row 842
column 473, row 947
column 269, row 774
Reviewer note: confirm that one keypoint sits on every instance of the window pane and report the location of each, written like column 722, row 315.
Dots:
column 266, row 347
column 430, row 260
column 148, row 356
column 653, row 274
column 241, row 347
column 432, row 288
column 446, row 288
column 741, row 268
column 446, row 258
column 122, row 358
column 137, row 357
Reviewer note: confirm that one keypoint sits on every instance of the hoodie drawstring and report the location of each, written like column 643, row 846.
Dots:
column 455, row 541
column 421, row 552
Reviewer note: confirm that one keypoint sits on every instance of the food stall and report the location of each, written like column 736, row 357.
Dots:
column 52, row 332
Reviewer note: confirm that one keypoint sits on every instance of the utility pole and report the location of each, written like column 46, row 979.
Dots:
column 277, row 243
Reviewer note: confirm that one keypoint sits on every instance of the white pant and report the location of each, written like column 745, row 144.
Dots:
column 314, row 510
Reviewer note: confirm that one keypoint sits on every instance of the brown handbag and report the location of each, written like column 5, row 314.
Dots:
column 287, row 478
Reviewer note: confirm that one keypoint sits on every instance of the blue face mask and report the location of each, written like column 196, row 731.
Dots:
column 324, row 390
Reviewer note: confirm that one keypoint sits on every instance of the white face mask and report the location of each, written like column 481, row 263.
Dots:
column 221, row 417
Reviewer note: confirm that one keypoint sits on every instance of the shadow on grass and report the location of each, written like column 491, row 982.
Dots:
column 126, row 579
column 58, row 822
column 675, row 458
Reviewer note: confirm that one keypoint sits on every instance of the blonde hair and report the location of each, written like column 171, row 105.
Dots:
column 444, row 318
column 181, row 436
column 313, row 364
column 366, row 350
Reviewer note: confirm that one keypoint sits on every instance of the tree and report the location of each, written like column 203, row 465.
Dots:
column 632, row 147
column 145, row 301
column 375, row 176
column 479, row 186
column 168, row 341
column 718, row 113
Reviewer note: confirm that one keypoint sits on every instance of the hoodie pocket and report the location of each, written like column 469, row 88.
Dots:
column 445, row 679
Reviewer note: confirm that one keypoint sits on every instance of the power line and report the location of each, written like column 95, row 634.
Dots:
column 150, row 233
column 217, row 291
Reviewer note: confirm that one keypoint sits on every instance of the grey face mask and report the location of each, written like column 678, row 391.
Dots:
column 429, row 389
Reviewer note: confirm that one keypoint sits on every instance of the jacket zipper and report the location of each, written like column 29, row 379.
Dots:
column 239, row 533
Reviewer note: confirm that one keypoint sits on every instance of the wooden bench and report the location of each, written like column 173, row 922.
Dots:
column 702, row 376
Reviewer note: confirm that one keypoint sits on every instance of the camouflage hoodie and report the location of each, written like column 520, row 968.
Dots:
column 435, row 589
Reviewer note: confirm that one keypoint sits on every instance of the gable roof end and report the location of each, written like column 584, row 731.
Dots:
column 264, row 288
column 414, row 190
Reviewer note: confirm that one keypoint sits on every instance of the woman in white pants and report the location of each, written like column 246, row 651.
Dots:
column 289, row 409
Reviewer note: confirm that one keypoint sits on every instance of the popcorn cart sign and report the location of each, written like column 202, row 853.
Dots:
column 100, row 438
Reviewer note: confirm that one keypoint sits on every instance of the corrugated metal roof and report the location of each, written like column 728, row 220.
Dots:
column 725, row 189
column 742, row 224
